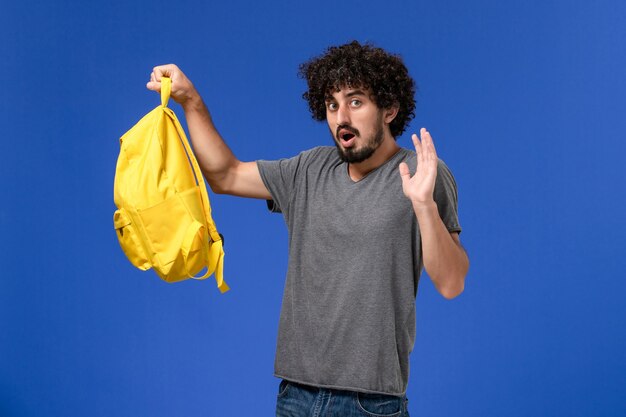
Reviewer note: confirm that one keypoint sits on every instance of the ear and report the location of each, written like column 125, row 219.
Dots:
column 391, row 113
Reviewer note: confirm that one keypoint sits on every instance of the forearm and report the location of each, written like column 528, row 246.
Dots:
column 224, row 172
column 214, row 156
column 444, row 258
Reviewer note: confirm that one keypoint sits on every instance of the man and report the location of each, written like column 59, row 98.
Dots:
column 360, row 229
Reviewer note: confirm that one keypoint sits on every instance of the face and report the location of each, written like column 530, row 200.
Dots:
column 356, row 124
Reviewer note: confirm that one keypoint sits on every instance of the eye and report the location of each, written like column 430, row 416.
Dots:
column 331, row 106
column 355, row 103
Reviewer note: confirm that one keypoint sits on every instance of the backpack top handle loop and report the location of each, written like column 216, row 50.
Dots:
column 166, row 89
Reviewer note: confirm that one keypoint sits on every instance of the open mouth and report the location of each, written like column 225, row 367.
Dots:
column 346, row 137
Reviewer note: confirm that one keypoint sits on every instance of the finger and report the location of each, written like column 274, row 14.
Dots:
column 417, row 144
column 164, row 71
column 153, row 84
column 159, row 72
column 405, row 174
column 429, row 145
column 430, row 157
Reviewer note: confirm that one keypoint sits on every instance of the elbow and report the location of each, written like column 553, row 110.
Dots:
column 217, row 189
column 453, row 286
column 451, row 292
column 224, row 180
column 219, row 183
column 452, row 283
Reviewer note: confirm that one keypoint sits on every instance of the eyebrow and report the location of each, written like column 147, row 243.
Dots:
column 352, row 93
column 355, row 93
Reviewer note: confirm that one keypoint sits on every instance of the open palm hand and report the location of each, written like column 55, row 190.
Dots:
column 419, row 188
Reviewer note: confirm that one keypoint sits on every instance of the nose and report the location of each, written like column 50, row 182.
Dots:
column 343, row 116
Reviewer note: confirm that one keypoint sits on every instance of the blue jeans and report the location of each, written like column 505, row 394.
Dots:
column 297, row 400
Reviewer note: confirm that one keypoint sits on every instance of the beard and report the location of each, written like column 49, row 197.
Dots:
column 359, row 154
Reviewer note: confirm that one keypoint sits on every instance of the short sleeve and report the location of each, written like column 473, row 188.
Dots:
column 280, row 178
column 446, row 197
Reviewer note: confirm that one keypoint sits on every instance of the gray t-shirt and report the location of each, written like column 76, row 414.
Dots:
column 348, row 312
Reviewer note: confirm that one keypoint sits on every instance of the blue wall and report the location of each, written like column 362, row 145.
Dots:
column 525, row 100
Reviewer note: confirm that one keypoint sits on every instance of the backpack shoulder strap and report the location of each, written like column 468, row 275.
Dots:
column 215, row 250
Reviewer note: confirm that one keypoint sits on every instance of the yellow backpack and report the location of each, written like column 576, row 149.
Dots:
column 164, row 218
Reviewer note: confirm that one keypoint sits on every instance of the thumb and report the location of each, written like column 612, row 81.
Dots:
column 154, row 86
column 405, row 174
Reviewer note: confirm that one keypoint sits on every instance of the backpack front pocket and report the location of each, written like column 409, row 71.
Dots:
column 166, row 226
column 129, row 241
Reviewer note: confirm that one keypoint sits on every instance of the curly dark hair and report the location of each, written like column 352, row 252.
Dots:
column 363, row 66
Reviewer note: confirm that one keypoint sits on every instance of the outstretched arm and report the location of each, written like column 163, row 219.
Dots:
column 445, row 259
column 222, row 170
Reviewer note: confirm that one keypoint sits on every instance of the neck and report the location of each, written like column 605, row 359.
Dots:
column 382, row 154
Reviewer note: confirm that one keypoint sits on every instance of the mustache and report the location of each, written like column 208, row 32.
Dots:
column 348, row 128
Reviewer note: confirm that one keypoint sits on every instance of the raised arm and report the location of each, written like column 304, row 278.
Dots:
column 445, row 259
column 222, row 170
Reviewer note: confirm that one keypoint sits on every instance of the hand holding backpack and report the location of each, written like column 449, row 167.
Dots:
column 163, row 220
